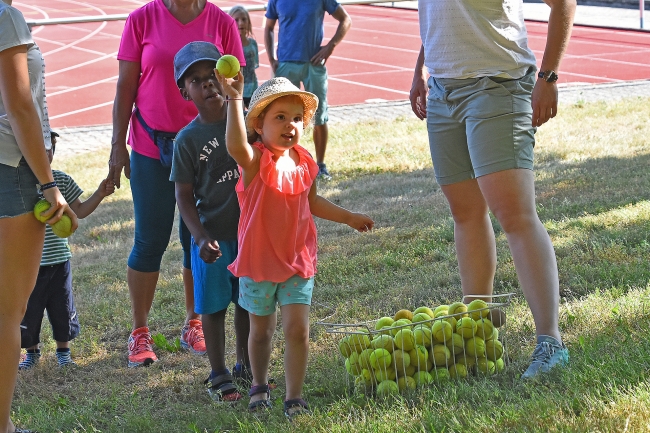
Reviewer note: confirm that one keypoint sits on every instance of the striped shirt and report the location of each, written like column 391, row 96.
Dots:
column 56, row 250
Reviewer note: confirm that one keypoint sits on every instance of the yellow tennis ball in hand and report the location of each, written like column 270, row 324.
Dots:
column 228, row 66
column 63, row 227
column 41, row 206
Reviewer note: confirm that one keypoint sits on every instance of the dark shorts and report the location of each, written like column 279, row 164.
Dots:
column 18, row 193
column 53, row 292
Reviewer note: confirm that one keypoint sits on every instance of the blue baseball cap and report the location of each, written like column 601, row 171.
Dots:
column 190, row 54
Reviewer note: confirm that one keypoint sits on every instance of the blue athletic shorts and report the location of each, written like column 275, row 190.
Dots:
column 479, row 126
column 215, row 287
column 260, row 298
column 314, row 80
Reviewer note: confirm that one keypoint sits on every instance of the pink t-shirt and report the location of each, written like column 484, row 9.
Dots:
column 152, row 36
column 277, row 233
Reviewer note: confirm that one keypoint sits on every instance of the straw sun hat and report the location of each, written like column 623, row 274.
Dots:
column 273, row 89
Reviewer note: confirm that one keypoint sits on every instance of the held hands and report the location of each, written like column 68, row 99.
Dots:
column 209, row 250
column 233, row 88
column 360, row 222
column 544, row 102
column 58, row 207
column 119, row 160
column 106, row 187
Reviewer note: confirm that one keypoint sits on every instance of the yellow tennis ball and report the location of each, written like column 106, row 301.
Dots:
column 382, row 341
column 401, row 360
column 421, row 317
column 41, row 206
column 441, row 308
column 63, row 227
column 422, row 334
column 406, row 383
column 466, row 360
column 466, row 327
column 420, row 358
column 385, row 374
column 478, row 309
column 408, row 371
column 458, row 371
column 422, row 378
column 440, row 355
column 364, row 359
column 228, row 66
column 458, row 308
column 440, row 374
column 500, row 365
column 485, row 366
column 380, row 358
column 475, row 347
column 426, row 310
column 456, row 344
column 344, row 346
column 352, row 367
column 493, row 350
column 359, row 342
column 384, row 321
column 404, row 339
column 484, row 329
column 403, row 314
column 441, row 331
column 386, row 388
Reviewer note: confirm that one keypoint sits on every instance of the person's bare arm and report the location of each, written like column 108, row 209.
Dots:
column 269, row 44
column 208, row 248
column 323, row 208
column 127, row 88
column 560, row 22
column 345, row 22
column 418, row 94
column 85, row 208
column 26, row 126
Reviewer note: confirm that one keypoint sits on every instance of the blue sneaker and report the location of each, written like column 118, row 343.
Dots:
column 548, row 353
column 322, row 172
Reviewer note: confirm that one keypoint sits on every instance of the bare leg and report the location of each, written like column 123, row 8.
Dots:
column 259, row 348
column 21, row 248
column 242, row 331
column 511, row 197
column 295, row 324
column 474, row 237
column 215, row 339
column 321, row 135
column 142, row 287
column 188, row 286
column 59, row 345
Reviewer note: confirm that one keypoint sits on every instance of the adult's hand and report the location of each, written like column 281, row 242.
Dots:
column 544, row 102
column 119, row 161
column 419, row 90
column 322, row 55
column 58, row 207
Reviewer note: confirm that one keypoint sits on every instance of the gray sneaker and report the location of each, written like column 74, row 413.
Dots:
column 548, row 353
column 322, row 172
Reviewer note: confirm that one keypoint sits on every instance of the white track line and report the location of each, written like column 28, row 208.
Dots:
column 79, row 65
column 72, row 89
column 61, row 44
column 81, row 110
column 386, row 89
column 363, row 44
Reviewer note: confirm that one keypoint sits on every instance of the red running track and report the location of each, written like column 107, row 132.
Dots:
column 374, row 62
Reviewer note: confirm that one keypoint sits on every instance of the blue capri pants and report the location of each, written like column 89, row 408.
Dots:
column 154, row 203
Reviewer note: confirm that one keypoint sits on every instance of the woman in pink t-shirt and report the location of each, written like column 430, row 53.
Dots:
column 152, row 35
column 276, row 262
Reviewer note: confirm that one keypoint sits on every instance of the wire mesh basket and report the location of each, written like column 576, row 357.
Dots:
column 414, row 349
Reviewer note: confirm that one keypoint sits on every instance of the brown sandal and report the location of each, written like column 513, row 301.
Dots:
column 263, row 404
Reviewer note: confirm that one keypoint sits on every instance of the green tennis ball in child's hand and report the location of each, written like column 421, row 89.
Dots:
column 41, row 206
column 63, row 227
column 228, row 66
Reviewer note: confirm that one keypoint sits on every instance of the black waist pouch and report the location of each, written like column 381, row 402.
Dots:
column 164, row 140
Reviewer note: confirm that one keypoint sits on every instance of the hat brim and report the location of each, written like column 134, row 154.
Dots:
column 309, row 101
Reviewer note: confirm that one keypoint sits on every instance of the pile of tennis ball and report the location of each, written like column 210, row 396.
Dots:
column 417, row 348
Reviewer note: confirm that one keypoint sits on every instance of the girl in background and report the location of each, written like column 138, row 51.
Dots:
column 251, row 53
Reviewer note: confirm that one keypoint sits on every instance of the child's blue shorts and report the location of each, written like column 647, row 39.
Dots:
column 260, row 298
column 215, row 287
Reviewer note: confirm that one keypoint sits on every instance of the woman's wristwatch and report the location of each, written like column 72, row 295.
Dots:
column 549, row 76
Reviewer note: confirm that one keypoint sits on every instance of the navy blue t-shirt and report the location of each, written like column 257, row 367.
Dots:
column 301, row 26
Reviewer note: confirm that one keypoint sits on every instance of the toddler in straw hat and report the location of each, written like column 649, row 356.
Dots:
column 277, row 235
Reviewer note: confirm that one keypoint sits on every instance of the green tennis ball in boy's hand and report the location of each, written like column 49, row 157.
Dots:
column 63, row 227
column 228, row 66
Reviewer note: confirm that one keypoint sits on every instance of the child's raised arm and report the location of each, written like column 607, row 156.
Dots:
column 236, row 140
column 323, row 208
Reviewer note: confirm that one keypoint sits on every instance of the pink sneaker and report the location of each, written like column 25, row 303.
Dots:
column 192, row 338
column 140, row 350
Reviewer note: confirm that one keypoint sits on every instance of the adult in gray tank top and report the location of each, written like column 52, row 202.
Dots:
column 476, row 83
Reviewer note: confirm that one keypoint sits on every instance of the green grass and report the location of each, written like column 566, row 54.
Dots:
column 593, row 189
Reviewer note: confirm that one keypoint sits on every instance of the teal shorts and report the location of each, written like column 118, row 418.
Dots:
column 260, row 298
column 314, row 80
column 479, row 126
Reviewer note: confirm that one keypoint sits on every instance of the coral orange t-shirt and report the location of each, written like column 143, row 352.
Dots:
column 277, row 233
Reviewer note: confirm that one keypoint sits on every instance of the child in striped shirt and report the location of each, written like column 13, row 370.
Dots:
column 53, row 290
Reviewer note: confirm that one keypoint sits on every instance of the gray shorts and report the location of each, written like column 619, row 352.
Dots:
column 479, row 126
column 18, row 193
column 314, row 80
